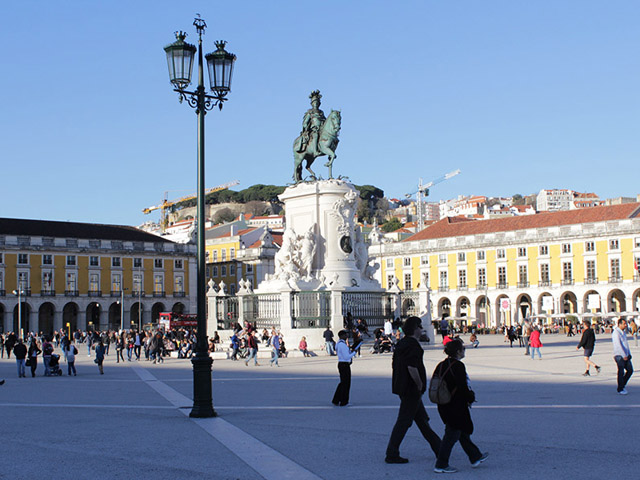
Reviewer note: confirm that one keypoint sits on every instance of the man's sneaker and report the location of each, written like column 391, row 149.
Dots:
column 480, row 460
column 623, row 392
column 447, row 469
column 397, row 459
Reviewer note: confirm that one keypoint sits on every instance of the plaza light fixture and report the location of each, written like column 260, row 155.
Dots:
column 122, row 308
column 220, row 65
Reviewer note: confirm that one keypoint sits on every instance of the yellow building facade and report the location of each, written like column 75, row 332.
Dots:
column 56, row 275
column 578, row 262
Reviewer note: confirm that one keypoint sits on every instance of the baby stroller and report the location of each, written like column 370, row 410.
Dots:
column 54, row 365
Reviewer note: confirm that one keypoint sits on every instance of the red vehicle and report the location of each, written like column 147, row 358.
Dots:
column 173, row 320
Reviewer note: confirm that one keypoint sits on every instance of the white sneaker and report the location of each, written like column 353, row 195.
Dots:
column 447, row 469
column 480, row 460
column 623, row 392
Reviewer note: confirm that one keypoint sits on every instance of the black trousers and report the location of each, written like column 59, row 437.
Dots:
column 625, row 370
column 341, row 397
column 451, row 436
column 411, row 410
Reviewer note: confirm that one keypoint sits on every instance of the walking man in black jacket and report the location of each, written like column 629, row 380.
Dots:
column 588, row 342
column 409, row 382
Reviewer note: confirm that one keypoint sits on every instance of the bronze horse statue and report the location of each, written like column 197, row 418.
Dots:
column 325, row 145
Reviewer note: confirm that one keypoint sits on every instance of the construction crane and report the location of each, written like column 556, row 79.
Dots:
column 423, row 191
column 166, row 204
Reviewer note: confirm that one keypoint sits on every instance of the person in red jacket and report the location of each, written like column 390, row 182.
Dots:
column 534, row 341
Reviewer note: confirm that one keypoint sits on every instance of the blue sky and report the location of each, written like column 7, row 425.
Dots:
column 519, row 95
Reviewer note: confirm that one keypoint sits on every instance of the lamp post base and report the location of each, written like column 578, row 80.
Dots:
column 202, row 397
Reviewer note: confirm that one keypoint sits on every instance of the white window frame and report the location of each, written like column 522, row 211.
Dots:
column 158, row 283
column 408, row 282
column 94, row 281
column 71, row 282
column 178, row 284
column 47, row 273
column 462, row 277
column 482, row 277
column 116, row 282
column 587, row 269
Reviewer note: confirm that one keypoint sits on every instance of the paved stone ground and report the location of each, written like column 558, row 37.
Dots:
column 536, row 418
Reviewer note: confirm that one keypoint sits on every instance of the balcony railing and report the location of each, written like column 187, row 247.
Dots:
column 523, row 284
column 590, row 281
column 95, row 293
column 568, row 281
column 3, row 293
column 544, row 283
column 159, row 294
column 443, row 288
column 463, row 288
column 178, row 294
column 502, row 285
column 636, row 278
column 71, row 293
column 136, row 294
column 116, row 293
column 615, row 279
column 47, row 293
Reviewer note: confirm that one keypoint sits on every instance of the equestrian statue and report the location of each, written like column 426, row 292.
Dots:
column 319, row 137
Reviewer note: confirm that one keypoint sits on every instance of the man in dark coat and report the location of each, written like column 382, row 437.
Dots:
column 409, row 382
column 9, row 343
column 456, row 414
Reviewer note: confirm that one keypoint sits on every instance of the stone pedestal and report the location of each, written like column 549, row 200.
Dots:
column 322, row 248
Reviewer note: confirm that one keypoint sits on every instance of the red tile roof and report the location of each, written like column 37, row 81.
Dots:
column 460, row 226
column 240, row 232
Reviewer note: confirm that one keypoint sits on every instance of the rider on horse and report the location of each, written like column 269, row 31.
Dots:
column 311, row 124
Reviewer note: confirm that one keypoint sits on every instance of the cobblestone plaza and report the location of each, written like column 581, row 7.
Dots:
column 534, row 418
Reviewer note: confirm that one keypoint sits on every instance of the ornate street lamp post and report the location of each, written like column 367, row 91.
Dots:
column 220, row 65
column 19, row 294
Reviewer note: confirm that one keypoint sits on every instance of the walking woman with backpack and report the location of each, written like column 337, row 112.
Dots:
column 456, row 414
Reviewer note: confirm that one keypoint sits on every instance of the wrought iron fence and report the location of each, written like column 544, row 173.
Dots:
column 374, row 307
column 409, row 304
column 226, row 312
column 263, row 309
column 310, row 309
